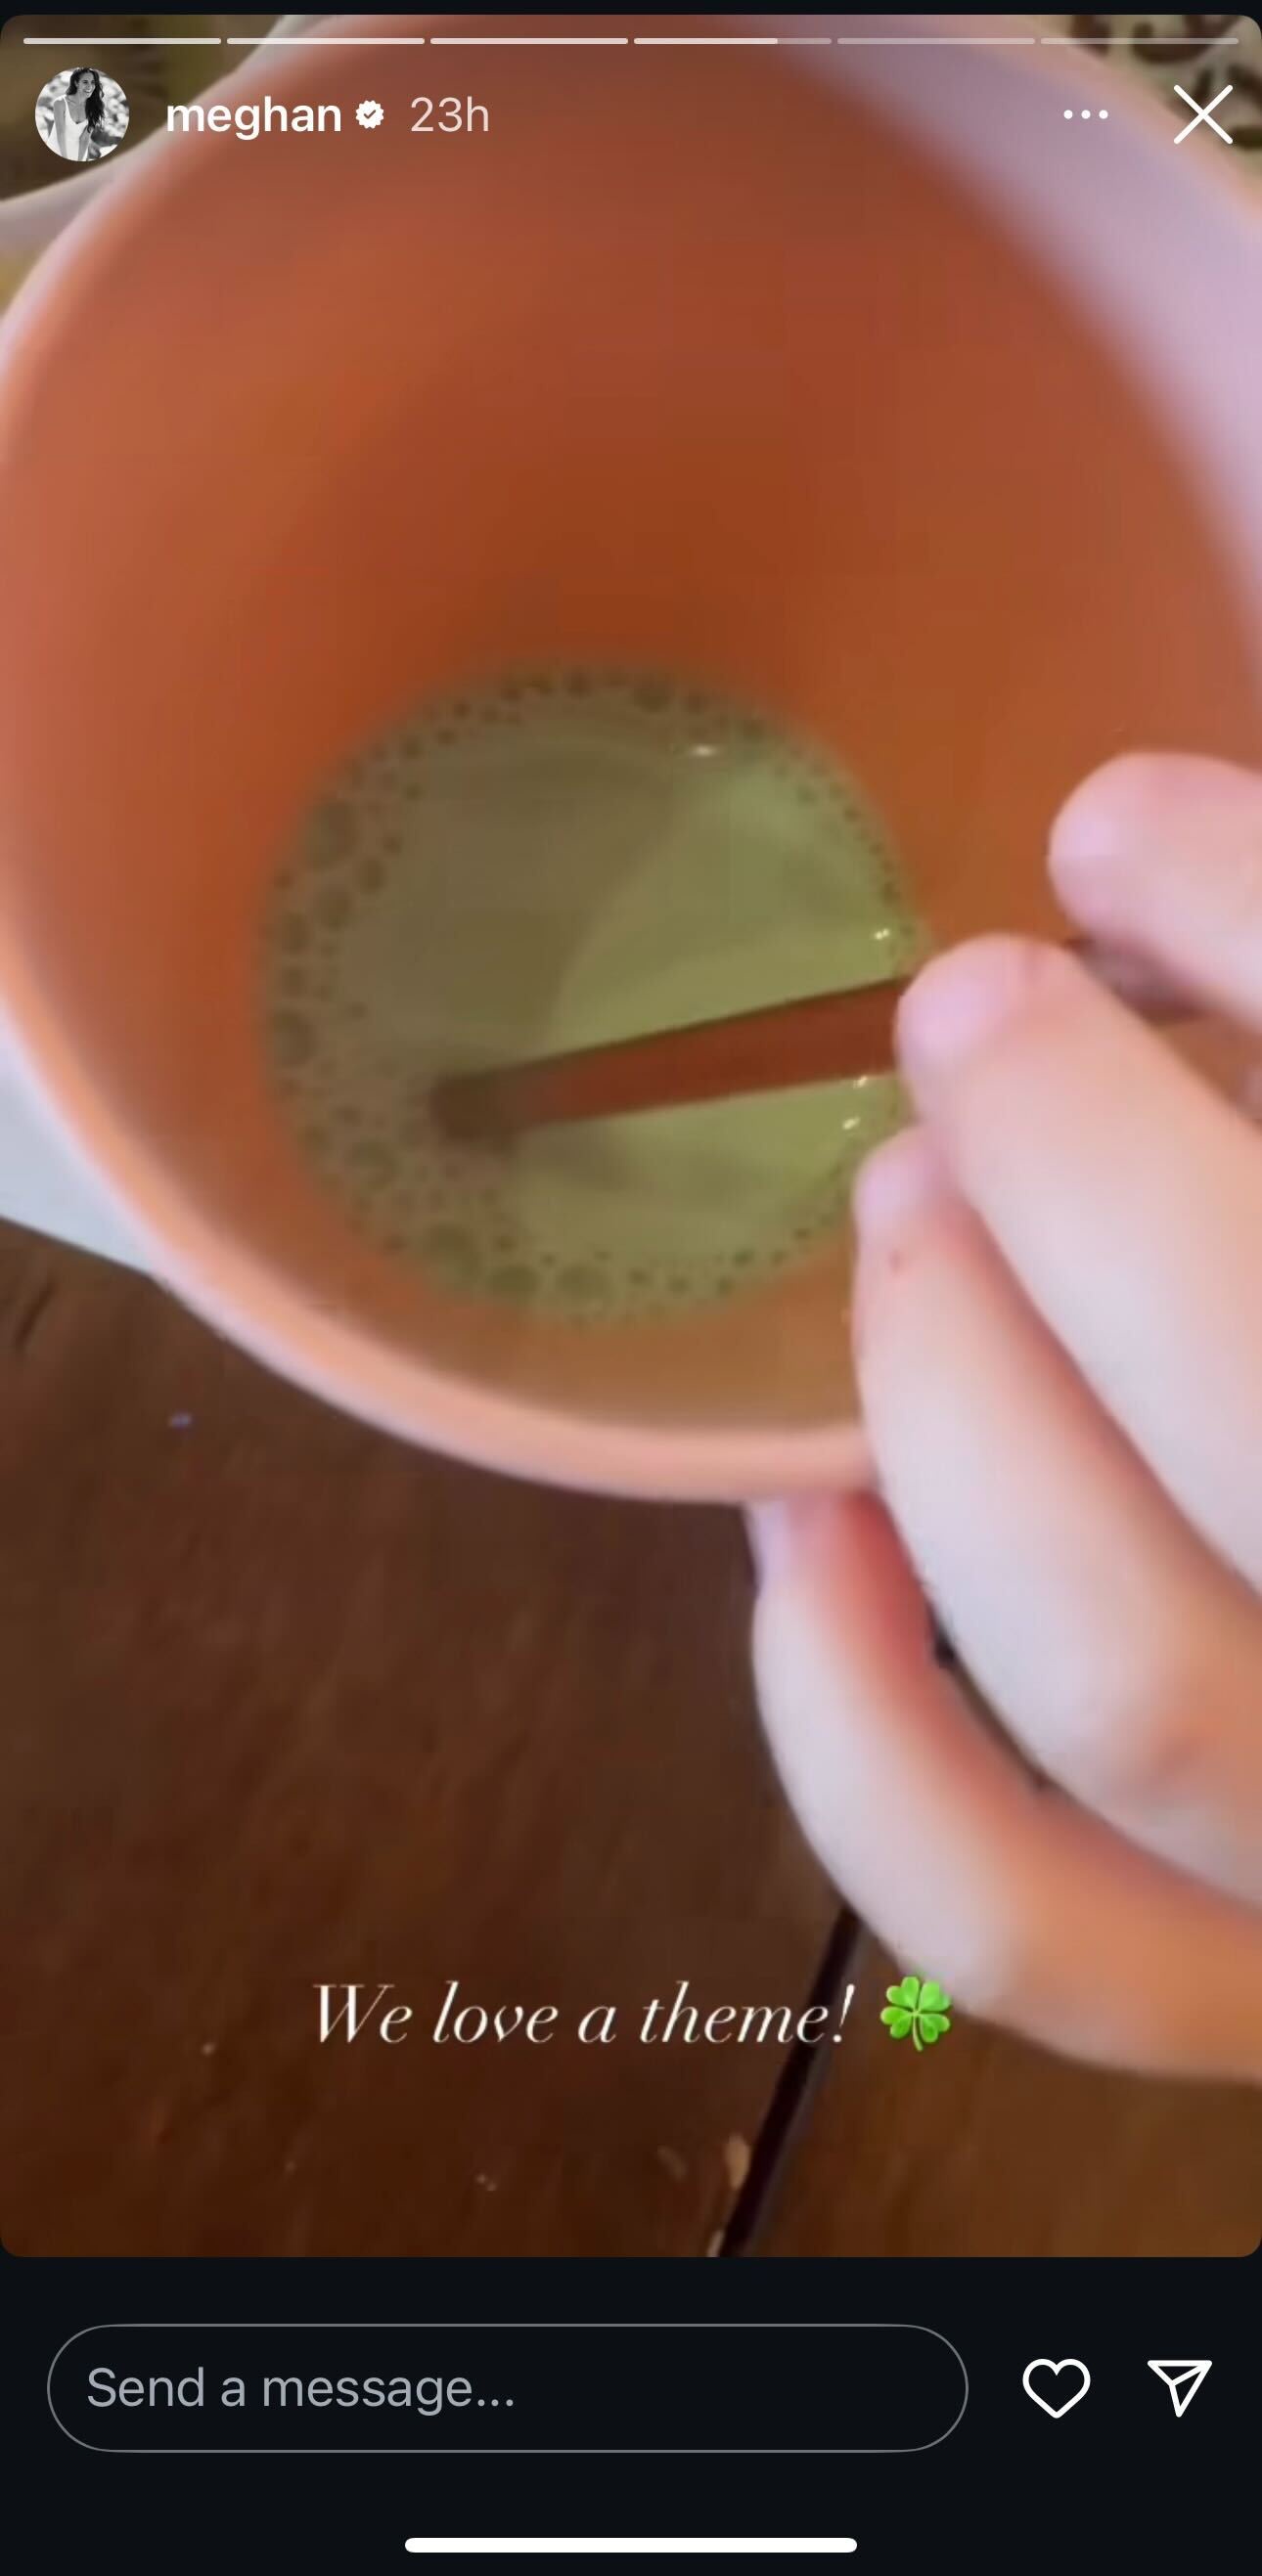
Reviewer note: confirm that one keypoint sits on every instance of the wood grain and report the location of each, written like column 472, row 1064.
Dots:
column 281, row 1701
column 984, row 2146
column 285, row 1702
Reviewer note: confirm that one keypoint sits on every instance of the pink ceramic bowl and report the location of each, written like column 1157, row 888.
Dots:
column 834, row 377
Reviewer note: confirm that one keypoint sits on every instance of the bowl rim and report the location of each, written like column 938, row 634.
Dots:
column 236, row 1291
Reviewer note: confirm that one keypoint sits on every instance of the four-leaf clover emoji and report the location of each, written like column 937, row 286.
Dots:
column 924, row 2010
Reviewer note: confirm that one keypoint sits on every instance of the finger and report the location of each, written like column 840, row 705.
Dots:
column 1124, row 1196
column 1162, row 854
column 1125, row 1658
column 1029, row 1912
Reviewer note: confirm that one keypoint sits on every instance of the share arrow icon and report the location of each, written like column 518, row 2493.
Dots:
column 1182, row 2378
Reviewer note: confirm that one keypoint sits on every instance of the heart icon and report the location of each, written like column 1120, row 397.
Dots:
column 1054, row 2369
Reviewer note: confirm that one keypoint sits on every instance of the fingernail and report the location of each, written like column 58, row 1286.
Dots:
column 770, row 1538
column 899, row 1181
column 783, row 1534
column 1141, row 813
column 962, row 1001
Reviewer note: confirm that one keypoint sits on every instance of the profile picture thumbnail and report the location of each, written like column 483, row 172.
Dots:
column 81, row 114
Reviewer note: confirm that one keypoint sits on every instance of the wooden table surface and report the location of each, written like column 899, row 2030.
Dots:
column 284, row 1703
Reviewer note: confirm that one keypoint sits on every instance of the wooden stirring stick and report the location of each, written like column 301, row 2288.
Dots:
column 826, row 1037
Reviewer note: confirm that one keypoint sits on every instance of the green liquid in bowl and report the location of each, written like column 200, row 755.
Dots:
column 561, row 859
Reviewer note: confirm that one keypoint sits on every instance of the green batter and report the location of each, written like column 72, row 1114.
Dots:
column 563, row 858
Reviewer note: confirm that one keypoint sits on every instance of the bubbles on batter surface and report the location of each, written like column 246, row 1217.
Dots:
column 564, row 856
